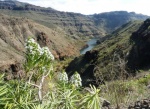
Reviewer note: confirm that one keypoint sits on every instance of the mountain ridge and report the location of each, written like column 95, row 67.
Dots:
column 76, row 25
column 113, row 20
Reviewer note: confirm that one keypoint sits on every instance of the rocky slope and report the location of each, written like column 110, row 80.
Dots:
column 107, row 61
column 13, row 33
column 139, row 56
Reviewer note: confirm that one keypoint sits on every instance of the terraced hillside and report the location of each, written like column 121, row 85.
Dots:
column 76, row 25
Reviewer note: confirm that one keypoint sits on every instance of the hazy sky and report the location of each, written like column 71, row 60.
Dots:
column 95, row 6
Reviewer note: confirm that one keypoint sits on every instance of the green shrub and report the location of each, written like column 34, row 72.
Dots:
column 145, row 80
column 21, row 95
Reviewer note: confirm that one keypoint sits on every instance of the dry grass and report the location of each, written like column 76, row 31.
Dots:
column 122, row 93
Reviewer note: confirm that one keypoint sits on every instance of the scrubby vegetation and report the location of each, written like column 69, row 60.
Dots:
column 107, row 65
column 28, row 93
column 63, row 92
column 44, row 88
column 122, row 93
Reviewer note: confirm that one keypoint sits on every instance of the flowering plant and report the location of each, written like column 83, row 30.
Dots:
column 38, row 63
column 76, row 79
column 63, row 77
column 63, row 95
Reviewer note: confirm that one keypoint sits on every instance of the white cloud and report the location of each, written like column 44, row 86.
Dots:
column 94, row 6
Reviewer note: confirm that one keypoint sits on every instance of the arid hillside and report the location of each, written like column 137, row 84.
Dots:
column 14, row 31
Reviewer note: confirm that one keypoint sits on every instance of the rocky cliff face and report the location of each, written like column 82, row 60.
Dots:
column 13, row 33
column 139, row 56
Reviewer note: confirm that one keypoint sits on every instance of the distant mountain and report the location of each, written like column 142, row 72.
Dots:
column 13, row 33
column 110, row 21
column 76, row 25
column 16, row 5
column 108, row 60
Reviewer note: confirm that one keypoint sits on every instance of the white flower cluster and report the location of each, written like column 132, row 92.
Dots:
column 35, row 49
column 63, row 77
column 47, row 53
column 76, row 80
column 32, row 47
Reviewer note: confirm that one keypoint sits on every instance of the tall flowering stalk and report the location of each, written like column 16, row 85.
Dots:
column 76, row 79
column 36, row 56
column 38, row 63
column 33, row 53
